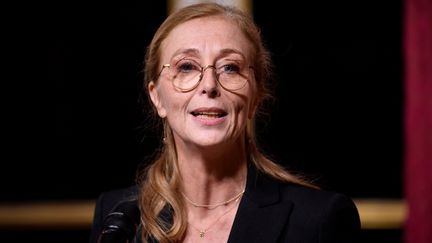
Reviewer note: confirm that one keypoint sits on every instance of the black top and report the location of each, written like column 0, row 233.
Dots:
column 271, row 211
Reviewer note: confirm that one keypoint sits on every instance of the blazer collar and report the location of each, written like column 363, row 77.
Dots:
column 262, row 214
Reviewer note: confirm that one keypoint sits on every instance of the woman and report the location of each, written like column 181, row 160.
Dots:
column 206, row 75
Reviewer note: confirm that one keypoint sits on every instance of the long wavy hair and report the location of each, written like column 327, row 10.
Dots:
column 160, row 182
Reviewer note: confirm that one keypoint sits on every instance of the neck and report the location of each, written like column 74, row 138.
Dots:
column 210, row 178
column 206, row 183
column 212, row 174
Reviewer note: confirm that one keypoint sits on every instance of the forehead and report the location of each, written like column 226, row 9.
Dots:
column 207, row 35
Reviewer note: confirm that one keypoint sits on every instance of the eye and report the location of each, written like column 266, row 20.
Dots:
column 230, row 68
column 187, row 66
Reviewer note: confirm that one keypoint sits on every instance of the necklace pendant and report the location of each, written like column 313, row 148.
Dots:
column 202, row 233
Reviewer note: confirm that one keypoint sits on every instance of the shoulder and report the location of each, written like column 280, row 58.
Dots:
column 313, row 199
column 265, row 189
column 333, row 215
column 311, row 215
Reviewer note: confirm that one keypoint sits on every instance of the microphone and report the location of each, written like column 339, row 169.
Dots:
column 121, row 224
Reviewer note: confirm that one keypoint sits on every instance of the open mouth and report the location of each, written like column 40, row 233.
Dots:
column 209, row 114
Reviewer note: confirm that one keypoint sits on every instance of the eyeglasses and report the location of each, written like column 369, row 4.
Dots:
column 186, row 74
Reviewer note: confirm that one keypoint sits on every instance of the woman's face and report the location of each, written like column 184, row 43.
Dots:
column 208, row 115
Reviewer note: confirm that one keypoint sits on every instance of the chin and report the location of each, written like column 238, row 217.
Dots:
column 208, row 142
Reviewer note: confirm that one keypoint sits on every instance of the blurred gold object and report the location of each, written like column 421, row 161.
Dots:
column 374, row 214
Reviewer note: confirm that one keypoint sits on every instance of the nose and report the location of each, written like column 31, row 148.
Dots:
column 209, row 84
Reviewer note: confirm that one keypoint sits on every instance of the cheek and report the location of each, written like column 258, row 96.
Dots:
column 176, row 105
column 242, row 107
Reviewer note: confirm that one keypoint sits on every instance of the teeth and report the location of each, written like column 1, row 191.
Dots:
column 208, row 114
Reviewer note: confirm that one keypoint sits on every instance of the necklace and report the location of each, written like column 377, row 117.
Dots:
column 213, row 206
column 202, row 232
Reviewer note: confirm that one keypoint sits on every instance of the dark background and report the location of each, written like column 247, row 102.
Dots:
column 337, row 115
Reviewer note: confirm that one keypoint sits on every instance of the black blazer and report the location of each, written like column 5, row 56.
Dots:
column 271, row 212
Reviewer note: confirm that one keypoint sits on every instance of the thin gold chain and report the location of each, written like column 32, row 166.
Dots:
column 213, row 206
column 202, row 232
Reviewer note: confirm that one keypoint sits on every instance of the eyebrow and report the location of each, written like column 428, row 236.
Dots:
column 231, row 51
column 186, row 51
column 196, row 52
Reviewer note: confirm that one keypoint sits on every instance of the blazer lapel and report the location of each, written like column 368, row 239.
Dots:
column 261, row 216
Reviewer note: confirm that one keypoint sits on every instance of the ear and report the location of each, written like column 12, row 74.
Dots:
column 155, row 98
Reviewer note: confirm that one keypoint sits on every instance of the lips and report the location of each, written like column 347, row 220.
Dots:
column 209, row 113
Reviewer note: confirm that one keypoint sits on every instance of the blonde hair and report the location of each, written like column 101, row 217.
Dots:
column 160, row 182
